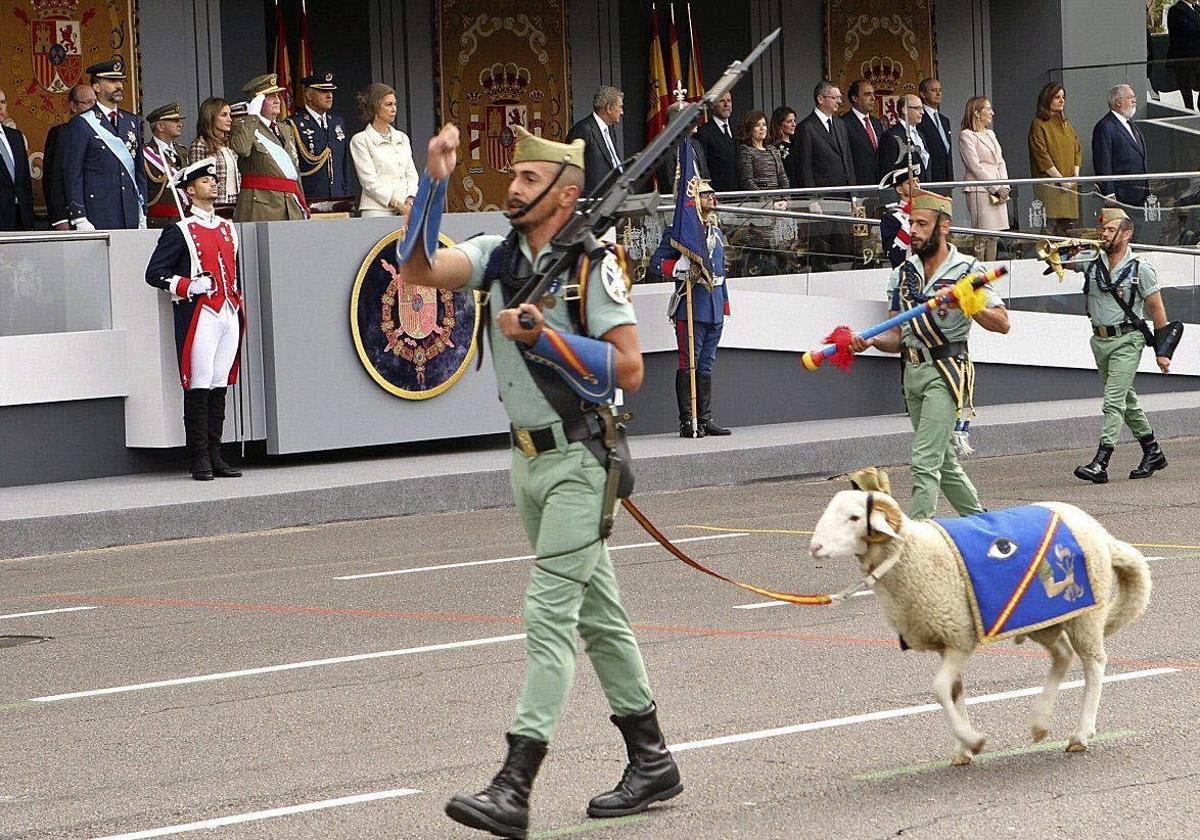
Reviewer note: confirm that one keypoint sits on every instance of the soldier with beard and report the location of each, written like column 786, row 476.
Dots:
column 559, row 484
column 939, row 377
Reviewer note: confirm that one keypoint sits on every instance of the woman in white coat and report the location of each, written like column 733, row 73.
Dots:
column 383, row 156
column 984, row 161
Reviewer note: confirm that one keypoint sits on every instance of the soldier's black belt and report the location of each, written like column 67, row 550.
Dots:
column 534, row 442
column 919, row 355
column 1114, row 330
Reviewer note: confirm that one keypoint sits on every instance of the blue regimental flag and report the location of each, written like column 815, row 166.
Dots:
column 1024, row 569
column 689, row 234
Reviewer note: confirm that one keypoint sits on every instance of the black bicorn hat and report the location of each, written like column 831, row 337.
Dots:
column 199, row 169
column 319, row 81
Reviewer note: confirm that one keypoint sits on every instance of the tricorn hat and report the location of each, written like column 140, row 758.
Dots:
column 530, row 148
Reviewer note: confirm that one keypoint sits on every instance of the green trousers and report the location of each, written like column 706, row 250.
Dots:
column 935, row 465
column 1117, row 360
column 572, row 589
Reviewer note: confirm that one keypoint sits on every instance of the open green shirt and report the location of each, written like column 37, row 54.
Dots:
column 526, row 406
column 1106, row 312
column 953, row 324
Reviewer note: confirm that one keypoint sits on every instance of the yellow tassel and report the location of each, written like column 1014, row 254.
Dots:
column 972, row 301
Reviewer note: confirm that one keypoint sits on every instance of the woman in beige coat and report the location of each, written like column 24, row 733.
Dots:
column 984, row 161
column 383, row 157
column 1054, row 152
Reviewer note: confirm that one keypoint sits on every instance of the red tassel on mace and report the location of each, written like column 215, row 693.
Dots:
column 841, row 338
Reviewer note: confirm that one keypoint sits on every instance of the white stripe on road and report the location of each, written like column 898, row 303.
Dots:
column 907, row 711
column 271, row 669
column 47, row 612
column 762, row 605
column 522, row 557
column 254, row 816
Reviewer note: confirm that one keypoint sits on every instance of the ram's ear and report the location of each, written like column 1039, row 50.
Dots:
column 886, row 518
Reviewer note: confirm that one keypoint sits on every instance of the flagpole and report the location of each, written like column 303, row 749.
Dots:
column 691, row 329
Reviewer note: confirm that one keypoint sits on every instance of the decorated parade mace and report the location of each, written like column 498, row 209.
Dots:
column 966, row 292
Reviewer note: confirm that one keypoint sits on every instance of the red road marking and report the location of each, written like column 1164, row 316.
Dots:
column 672, row 630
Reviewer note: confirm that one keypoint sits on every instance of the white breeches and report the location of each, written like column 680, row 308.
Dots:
column 214, row 347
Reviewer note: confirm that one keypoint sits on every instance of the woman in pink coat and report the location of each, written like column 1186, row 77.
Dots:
column 983, row 160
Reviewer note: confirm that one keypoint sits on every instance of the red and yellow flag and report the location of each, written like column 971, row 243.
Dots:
column 304, row 62
column 695, row 83
column 660, row 92
column 675, row 78
column 283, row 67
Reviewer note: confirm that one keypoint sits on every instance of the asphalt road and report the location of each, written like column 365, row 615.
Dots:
column 236, row 687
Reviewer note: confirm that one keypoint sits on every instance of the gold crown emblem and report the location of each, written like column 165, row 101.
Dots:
column 882, row 71
column 504, row 81
column 474, row 97
column 536, row 96
column 55, row 8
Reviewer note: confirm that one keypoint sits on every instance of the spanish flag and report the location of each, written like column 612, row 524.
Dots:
column 660, row 94
column 675, row 79
column 695, row 83
column 283, row 67
column 304, row 62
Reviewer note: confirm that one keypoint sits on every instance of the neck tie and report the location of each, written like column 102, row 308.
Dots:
column 6, row 153
column 725, row 131
column 116, row 124
column 871, row 133
column 612, row 149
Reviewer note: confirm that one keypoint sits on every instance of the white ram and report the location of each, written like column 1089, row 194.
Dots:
column 925, row 600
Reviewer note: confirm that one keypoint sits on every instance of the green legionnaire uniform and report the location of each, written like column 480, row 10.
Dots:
column 564, row 498
column 1117, row 345
column 939, row 377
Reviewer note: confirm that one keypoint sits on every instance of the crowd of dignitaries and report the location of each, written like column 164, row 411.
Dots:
column 101, row 171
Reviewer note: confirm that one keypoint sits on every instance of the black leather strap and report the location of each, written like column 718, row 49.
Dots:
column 918, row 355
column 542, row 440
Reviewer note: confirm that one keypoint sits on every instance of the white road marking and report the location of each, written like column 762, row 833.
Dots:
column 272, row 669
column 255, row 816
column 47, row 612
column 523, row 557
column 906, row 711
column 762, row 605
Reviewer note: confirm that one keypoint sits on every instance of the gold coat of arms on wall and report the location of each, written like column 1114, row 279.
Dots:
column 887, row 43
column 502, row 63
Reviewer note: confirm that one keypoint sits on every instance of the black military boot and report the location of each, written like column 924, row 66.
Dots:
column 503, row 806
column 1097, row 471
column 195, row 427
column 651, row 775
column 216, row 423
column 683, row 396
column 1152, row 458
column 704, row 389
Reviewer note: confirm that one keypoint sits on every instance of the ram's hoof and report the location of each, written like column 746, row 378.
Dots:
column 1040, row 733
column 960, row 760
column 1076, row 746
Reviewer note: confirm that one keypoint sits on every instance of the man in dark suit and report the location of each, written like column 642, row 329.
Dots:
column 821, row 148
column 1183, row 31
column 715, row 137
column 864, row 131
column 602, row 142
column 326, row 169
column 670, row 163
column 1118, row 148
column 821, row 158
column 103, row 161
column 893, row 148
column 80, row 99
column 935, row 131
column 16, row 186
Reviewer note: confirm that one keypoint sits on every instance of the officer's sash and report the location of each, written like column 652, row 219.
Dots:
column 278, row 154
column 114, row 144
column 1023, row 568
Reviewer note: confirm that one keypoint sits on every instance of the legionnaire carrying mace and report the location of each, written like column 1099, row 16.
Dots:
column 195, row 262
column 563, row 337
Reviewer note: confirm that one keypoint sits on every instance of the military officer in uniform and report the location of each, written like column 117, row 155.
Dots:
column 102, row 158
column 326, row 169
column 710, row 307
column 1119, row 339
column 558, row 479
column 939, row 376
column 195, row 262
column 267, row 158
column 164, row 157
